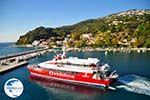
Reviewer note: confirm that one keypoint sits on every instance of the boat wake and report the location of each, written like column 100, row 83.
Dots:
column 134, row 83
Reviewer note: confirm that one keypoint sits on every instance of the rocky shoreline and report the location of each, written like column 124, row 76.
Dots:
column 110, row 49
column 122, row 49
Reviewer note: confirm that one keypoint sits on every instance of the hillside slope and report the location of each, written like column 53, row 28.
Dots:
column 129, row 28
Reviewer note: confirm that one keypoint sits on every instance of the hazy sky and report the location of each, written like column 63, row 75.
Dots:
column 19, row 16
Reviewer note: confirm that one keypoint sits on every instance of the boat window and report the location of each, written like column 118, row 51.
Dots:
column 92, row 65
column 94, row 72
column 38, row 66
column 73, row 64
column 68, row 72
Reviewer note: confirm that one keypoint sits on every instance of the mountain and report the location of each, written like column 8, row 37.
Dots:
column 37, row 34
column 125, row 29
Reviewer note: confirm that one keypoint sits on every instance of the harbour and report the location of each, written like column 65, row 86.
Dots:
column 75, row 50
column 55, row 90
column 16, row 60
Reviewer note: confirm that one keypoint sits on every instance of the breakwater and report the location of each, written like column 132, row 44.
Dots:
column 16, row 60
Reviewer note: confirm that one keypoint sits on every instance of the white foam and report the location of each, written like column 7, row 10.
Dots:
column 135, row 84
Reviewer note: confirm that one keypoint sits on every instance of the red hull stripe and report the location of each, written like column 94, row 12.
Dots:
column 67, row 80
column 79, row 78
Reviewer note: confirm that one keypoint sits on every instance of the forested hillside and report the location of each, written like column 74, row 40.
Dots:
column 125, row 29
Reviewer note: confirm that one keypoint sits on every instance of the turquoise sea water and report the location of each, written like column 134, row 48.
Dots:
column 131, row 64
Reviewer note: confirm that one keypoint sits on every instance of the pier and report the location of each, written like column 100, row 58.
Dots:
column 22, row 53
column 13, row 61
column 11, row 66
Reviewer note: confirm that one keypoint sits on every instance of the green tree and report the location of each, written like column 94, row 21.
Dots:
column 99, row 41
column 75, row 36
column 114, row 42
column 147, row 44
column 80, row 43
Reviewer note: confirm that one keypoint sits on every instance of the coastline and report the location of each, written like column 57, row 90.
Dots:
column 24, row 45
column 109, row 49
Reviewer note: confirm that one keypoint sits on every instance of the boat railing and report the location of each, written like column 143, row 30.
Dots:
column 33, row 66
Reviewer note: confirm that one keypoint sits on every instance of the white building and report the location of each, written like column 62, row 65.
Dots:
column 35, row 43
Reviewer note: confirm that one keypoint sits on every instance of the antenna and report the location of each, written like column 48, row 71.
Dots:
column 106, row 52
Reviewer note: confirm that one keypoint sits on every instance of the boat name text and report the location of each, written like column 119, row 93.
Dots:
column 60, row 74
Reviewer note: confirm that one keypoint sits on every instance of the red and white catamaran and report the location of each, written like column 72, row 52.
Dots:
column 85, row 71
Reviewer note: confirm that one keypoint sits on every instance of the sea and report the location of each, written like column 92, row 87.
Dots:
column 133, row 82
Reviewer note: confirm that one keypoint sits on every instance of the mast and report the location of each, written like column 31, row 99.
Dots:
column 64, row 51
column 64, row 47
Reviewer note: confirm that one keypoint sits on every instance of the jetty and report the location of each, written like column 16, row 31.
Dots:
column 11, row 66
column 13, row 61
column 23, row 53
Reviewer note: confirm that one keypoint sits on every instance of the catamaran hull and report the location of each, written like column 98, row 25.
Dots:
column 80, row 78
